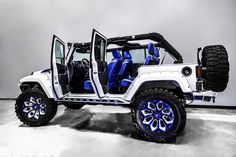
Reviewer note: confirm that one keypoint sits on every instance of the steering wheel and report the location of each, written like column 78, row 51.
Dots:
column 85, row 64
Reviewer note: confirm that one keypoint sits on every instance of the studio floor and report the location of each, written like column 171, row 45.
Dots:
column 108, row 131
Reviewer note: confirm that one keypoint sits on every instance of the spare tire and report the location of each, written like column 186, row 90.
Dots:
column 215, row 68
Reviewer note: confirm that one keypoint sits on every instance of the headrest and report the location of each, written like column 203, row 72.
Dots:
column 116, row 54
column 153, row 50
column 127, row 55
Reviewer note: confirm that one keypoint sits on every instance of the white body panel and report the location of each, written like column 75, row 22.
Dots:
column 172, row 68
column 145, row 74
column 165, row 73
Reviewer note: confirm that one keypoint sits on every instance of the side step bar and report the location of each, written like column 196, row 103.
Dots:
column 205, row 96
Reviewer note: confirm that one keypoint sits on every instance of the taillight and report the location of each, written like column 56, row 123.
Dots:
column 198, row 72
column 199, row 78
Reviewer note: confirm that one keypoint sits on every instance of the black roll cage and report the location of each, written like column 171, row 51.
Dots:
column 126, row 45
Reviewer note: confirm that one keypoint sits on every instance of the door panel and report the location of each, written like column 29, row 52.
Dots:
column 59, row 69
column 99, row 69
column 103, row 73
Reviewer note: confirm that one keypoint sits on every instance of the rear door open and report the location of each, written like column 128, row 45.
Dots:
column 98, row 65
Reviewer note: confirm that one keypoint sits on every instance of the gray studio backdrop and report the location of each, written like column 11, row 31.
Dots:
column 27, row 26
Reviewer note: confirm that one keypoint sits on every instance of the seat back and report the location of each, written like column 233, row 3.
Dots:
column 126, row 66
column 153, row 57
column 114, row 68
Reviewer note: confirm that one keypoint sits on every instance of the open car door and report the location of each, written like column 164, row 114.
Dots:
column 98, row 65
column 60, row 83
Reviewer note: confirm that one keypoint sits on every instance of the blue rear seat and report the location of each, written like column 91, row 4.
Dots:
column 124, row 74
column 126, row 82
column 126, row 66
column 153, row 58
column 113, row 70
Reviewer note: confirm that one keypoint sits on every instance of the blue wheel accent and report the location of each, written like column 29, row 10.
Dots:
column 34, row 107
column 156, row 116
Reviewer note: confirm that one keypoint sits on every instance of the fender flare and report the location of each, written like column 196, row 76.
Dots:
column 176, row 78
column 43, row 80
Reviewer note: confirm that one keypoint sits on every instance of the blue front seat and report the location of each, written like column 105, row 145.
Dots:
column 88, row 85
column 153, row 58
column 125, row 70
column 113, row 70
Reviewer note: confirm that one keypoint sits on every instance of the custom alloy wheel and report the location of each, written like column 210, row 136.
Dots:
column 34, row 108
column 158, row 115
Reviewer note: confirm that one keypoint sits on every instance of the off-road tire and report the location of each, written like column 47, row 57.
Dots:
column 177, row 106
column 51, row 107
column 216, row 64
column 73, row 106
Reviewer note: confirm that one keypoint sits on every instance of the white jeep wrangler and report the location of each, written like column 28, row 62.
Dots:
column 155, row 92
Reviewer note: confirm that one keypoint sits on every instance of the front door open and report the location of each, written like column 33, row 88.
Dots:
column 60, row 83
column 98, row 65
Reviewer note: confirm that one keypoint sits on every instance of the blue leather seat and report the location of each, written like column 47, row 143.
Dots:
column 153, row 58
column 113, row 70
column 88, row 85
column 126, row 82
column 125, row 70
column 126, row 66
